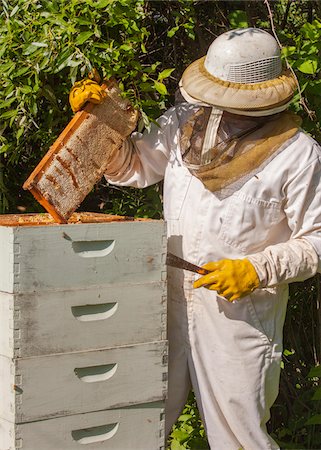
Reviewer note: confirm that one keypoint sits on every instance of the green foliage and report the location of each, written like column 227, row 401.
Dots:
column 294, row 422
column 125, row 201
column 303, row 54
column 238, row 19
column 45, row 46
column 188, row 433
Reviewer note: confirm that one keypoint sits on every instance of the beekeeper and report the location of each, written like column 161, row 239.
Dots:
column 242, row 194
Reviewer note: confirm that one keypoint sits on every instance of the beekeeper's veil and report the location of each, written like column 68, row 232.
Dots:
column 233, row 119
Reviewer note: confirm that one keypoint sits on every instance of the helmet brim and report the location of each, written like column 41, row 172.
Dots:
column 199, row 84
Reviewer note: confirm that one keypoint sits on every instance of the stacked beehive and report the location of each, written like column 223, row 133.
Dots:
column 82, row 335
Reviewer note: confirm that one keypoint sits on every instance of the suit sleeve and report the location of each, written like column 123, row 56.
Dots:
column 143, row 158
column 300, row 257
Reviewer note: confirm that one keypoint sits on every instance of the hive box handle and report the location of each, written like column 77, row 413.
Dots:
column 95, row 434
column 94, row 374
column 93, row 249
column 89, row 313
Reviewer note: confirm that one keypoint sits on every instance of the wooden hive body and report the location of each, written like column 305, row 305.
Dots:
column 79, row 157
column 83, row 350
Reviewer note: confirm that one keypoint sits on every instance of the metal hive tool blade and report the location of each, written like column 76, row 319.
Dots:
column 176, row 261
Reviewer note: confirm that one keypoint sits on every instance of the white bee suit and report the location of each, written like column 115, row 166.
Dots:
column 230, row 352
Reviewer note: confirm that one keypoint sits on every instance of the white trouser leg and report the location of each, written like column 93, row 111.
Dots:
column 233, row 364
column 212, row 416
column 237, row 372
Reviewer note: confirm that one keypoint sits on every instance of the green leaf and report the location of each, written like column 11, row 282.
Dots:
column 126, row 47
column 73, row 74
column 68, row 62
column 172, row 31
column 288, row 51
column 4, row 148
column 8, row 91
column 309, row 66
column 316, row 23
column 309, row 49
column 102, row 3
column 144, row 122
column 39, row 44
column 314, row 420
column 26, row 89
column 317, row 394
column 142, row 46
column 83, row 21
column 101, row 45
column 198, row 443
column 19, row 133
column 83, row 37
column 315, row 372
column 309, row 31
column 30, row 49
column 238, row 19
column 7, row 66
column 160, row 87
column 21, row 71
column 187, row 428
column 184, row 417
column 180, row 435
column 175, row 445
column 3, row 49
column 14, row 11
column 165, row 74
column 287, row 352
column 44, row 63
column 9, row 114
column 7, row 103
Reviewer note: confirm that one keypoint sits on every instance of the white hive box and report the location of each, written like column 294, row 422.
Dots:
column 82, row 331
column 74, row 256
column 139, row 427
column 34, row 324
column 72, row 383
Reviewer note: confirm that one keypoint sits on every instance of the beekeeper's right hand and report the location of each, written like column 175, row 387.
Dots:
column 231, row 278
column 85, row 91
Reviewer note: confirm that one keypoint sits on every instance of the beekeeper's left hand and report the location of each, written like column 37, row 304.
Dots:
column 85, row 91
column 231, row 278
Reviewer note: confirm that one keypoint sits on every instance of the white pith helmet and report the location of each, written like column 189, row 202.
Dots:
column 244, row 56
column 241, row 72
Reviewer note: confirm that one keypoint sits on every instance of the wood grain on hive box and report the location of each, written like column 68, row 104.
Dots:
column 136, row 427
column 42, row 258
column 71, row 383
column 82, row 330
column 38, row 323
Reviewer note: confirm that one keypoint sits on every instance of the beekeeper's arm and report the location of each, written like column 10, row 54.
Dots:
column 300, row 257
column 143, row 158
column 294, row 260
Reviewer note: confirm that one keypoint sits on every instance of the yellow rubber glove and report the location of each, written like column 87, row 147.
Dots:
column 85, row 91
column 231, row 278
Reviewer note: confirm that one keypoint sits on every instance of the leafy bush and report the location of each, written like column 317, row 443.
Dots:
column 46, row 45
column 188, row 431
